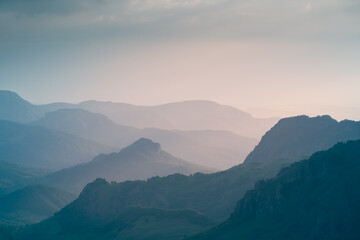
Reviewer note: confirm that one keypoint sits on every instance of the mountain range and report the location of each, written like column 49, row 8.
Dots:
column 141, row 160
column 188, row 115
column 218, row 149
column 144, row 192
column 214, row 195
column 212, row 148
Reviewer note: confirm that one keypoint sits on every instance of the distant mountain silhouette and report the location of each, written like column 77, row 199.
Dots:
column 215, row 149
column 212, row 194
column 14, row 108
column 188, row 115
column 205, row 119
column 32, row 204
column 212, row 148
column 314, row 199
column 92, row 126
column 44, row 148
column 141, row 160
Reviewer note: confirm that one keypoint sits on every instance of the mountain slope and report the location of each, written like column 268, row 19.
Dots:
column 317, row 198
column 41, row 147
column 132, row 224
column 141, row 160
column 14, row 108
column 312, row 134
column 214, row 149
column 14, row 176
column 32, row 204
column 92, row 126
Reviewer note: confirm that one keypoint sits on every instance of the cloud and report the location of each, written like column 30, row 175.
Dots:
column 170, row 4
column 34, row 7
column 164, row 19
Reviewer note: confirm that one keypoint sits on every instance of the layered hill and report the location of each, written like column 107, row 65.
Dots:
column 32, row 204
column 14, row 108
column 14, row 176
column 41, row 147
column 316, row 198
column 214, row 194
column 132, row 224
column 215, row 149
column 141, row 160
column 92, row 126
column 188, row 115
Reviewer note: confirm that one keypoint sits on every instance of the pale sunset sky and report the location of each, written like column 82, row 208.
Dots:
column 267, row 57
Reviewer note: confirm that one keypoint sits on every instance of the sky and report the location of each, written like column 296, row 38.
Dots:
column 268, row 57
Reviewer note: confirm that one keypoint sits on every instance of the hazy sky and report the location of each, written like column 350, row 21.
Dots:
column 287, row 55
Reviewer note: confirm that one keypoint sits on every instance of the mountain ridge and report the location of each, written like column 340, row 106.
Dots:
column 15, row 108
column 32, row 204
column 202, row 147
column 201, row 115
column 316, row 198
column 141, row 160
column 21, row 143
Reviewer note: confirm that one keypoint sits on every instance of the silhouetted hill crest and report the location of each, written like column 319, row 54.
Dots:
column 10, row 95
column 143, row 145
column 284, row 139
column 15, row 108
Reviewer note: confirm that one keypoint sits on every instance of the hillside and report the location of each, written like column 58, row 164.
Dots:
column 316, row 198
column 14, row 108
column 132, row 224
column 88, row 125
column 214, row 149
column 14, row 176
column 141, row 160
column 32, row 204
column 312, row 134
column 41, row 147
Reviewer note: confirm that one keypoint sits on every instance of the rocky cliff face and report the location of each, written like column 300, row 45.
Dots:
column 316, row 198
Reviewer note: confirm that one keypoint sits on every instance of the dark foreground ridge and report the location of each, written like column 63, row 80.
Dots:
column 318, row 198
